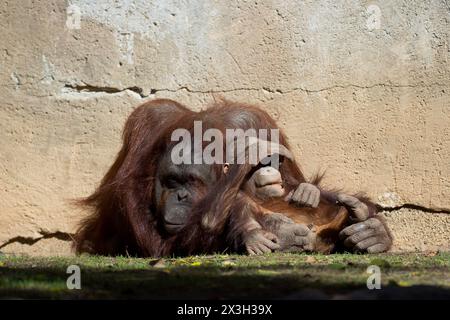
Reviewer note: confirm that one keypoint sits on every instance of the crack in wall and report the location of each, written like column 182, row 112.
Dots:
column 64, row 236
column 356, row 86
column 99, row 89
column 281, row 91
column 412, row 207
column 140, row 90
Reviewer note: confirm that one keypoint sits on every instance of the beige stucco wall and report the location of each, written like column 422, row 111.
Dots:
column 362, row 89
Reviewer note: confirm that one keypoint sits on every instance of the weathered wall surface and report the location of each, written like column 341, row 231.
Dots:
column 362, row 89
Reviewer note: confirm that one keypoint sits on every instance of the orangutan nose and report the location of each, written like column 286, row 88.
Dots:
column 266, row 176
column 182, row 195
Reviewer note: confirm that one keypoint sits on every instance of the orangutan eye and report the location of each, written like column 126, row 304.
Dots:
column 271, row 161
column 171, row 182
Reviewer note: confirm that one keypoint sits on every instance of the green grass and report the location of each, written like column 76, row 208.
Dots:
column 272, row 276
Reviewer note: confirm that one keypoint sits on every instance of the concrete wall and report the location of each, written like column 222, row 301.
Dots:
column 362, row 89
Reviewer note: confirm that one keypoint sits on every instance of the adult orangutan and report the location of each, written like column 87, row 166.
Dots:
column 147, row 206
column 120, row 222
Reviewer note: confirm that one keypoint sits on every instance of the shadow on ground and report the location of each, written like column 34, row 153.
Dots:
column 227, row 277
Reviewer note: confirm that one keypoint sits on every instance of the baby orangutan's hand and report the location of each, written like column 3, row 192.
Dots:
column 292, row 237
column 306, row 195
column 258, row 241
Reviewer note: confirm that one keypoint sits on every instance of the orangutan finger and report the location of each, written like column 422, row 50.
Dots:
column 357, row 208
column 301, row 230
column 363, row 245
column 271, row 244
column 288, row 198
column 354, row 228
column 358, row 237
column 379, row 247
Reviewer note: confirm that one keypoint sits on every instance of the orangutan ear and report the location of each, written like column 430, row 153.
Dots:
column 226, row 166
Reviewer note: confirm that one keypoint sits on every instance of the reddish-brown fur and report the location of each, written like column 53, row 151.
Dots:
column 328, row 219
column 121, row 223
column 125, row 218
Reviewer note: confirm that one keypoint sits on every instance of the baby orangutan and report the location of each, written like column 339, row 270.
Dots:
column 320, row 218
